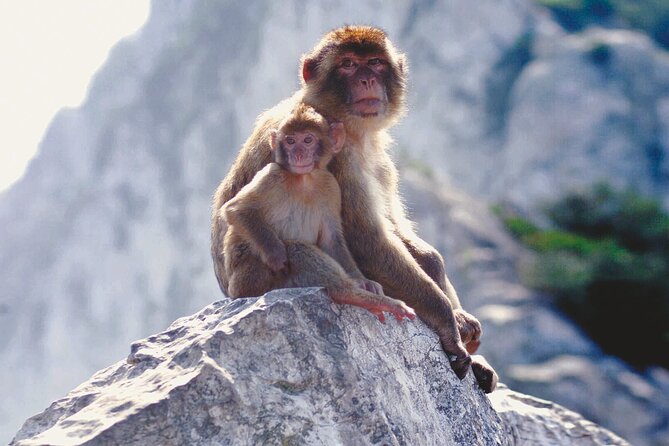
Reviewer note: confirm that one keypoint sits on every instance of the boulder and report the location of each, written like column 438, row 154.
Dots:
column 293, row 368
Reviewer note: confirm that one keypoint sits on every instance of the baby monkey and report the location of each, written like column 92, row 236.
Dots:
column 285, row 227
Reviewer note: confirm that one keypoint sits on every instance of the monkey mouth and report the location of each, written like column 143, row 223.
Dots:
column 366, row 107
column 301, row 169
column 368, row 103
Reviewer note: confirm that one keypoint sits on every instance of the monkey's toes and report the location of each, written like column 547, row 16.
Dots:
column 409, row 313
column 485, row 376
column 460, row 365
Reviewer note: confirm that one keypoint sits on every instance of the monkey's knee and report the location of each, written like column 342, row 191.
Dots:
column 433, row 264
column 299, row 250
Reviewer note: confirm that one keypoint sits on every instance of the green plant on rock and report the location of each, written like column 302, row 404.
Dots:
column 606, row 261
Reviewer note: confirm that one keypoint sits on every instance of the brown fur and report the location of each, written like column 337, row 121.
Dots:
column 280, row 216
column 379, row 236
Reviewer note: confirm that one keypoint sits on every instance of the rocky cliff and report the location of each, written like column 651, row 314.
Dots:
column 105, row 240
column 292, row 368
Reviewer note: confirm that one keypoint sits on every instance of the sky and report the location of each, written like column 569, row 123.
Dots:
column 49, row 51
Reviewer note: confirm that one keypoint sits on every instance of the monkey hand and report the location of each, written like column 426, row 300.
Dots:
column 469, row 328
column 276, row 258
column 370, row 285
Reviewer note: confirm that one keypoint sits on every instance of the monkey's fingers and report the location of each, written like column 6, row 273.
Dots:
column 404, row 312
column 380, row 315
column 396, row 307
column 472, row 346
column 468, row 326
column 460, row 365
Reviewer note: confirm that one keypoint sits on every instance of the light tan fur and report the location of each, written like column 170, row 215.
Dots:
column 297, row 216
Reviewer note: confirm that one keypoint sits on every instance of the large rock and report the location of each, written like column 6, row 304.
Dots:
column 293, row 368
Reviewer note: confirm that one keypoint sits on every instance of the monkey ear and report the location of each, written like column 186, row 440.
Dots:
column 274, row 139
column 337, row 136
column 308, row 69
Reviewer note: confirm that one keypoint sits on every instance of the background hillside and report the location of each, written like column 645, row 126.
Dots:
column 106, row 238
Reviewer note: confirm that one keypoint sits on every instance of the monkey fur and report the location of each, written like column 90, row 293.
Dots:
column 285, row 227
column 380, row 237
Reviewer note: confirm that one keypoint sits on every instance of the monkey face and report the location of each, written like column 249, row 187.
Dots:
column 299, row 152
column 365, row 78
column 356, row 76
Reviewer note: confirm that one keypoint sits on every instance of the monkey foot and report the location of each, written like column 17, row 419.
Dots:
column 399, row 309
column 460, row 365
column 456, row 354
column 485, row 375
column 374, row 303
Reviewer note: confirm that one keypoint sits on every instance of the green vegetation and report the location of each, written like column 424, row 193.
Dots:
column 650, row 16
column 607, row 263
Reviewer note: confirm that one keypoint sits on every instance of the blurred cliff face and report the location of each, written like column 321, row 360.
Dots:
column 105, row 239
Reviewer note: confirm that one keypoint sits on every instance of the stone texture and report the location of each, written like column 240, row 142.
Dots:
column 531, row 421
column 293, row 368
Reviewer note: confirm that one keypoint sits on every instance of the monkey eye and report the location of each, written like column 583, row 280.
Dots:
column 347, row 63
column 374, row 61
column 308, row 139
column 290, row 140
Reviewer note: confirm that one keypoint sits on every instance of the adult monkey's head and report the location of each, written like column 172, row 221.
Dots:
column 356, row 76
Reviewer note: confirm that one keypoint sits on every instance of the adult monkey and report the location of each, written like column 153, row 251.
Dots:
column 356, row 76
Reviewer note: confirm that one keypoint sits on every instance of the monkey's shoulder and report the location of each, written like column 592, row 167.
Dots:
column 256, row 190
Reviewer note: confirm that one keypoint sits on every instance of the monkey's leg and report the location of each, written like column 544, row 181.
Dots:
column 383, row 257
column 432, row 263
column 310, row 266
column 219, row 228
column 248, row 276
column 218, row 258
column 469, row 327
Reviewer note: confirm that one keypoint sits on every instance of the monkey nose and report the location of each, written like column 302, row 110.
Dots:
column 368, row 82
column 300, row 155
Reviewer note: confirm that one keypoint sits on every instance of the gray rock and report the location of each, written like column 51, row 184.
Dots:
column 293, row 368
column 532, row 421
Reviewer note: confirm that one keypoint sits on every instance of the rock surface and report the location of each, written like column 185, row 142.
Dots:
column 292, row 368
